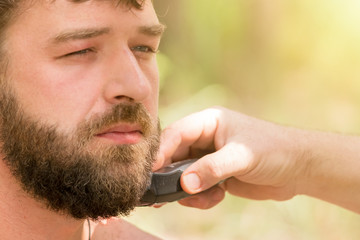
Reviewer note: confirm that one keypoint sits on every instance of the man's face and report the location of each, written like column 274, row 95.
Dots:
column 79, row 104
column 69, row 61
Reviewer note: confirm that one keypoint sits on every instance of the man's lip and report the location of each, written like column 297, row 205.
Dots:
column 121, row 128
column 122, row 134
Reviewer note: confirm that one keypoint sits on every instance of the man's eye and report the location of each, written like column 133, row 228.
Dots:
column 144, row 49
column 80, row 53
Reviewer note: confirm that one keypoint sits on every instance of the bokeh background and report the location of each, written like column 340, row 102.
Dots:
column 294, row 62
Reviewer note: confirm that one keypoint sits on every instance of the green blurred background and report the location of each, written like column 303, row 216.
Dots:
column 294, row 62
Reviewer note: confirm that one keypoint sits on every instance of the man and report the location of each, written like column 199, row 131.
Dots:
column 78, row 127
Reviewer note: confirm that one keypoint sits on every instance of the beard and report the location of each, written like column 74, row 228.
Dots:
column 75, row 174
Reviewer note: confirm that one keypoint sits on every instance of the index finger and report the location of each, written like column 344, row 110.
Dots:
column 189, row 137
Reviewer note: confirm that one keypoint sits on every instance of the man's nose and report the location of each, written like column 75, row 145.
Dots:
column 125, row 80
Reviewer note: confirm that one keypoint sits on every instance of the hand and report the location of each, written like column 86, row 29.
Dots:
column 257, row 159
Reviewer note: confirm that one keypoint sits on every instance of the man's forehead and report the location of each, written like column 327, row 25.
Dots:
column 131, row 3
column 75, row 11
column 48, row 22
column 150, row 26
column 25, row 4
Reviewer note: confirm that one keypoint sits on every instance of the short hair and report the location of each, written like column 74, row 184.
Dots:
column 8, row 10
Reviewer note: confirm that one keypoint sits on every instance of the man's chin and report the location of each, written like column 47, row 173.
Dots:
column 79, row 174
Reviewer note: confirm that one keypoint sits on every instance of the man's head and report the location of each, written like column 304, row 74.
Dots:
column 79, row 94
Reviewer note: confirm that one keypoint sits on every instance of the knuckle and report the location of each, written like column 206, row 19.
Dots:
column 215, row 169
column 215, row 111
column 218, row 107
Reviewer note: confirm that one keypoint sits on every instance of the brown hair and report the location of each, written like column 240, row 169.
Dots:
column 8, row 10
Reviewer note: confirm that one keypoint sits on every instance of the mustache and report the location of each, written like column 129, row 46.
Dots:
column 120, row 113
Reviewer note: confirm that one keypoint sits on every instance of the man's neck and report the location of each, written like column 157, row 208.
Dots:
column 23, row 218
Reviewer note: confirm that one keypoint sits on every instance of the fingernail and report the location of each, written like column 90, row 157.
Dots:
column 192, row 181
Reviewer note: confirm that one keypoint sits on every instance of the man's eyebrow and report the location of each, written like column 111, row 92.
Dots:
column 79, row 34
column 153, row 30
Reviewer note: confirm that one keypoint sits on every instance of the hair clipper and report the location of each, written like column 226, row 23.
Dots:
column 165, row 184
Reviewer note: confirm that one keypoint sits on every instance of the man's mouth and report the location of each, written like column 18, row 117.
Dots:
column 122, row 134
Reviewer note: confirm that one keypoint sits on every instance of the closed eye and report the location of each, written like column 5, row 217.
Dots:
column 80, row 53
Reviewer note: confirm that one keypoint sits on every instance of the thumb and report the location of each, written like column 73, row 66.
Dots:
column 213, row 168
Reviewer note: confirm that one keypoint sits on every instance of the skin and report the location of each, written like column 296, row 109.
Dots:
column 61, row 77
column 260, row 160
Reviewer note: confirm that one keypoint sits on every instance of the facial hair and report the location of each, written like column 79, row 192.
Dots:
column 74, row 174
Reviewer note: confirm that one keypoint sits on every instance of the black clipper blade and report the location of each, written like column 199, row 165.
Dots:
column 165, row 184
